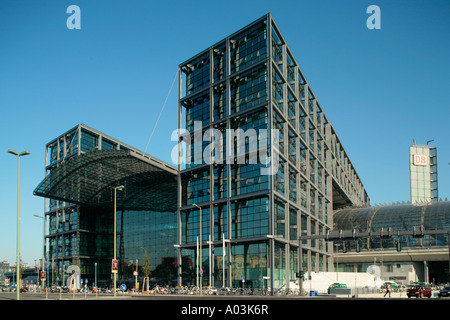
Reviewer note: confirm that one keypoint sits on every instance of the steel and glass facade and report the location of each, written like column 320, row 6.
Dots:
column 251, row 81
column 82, row 167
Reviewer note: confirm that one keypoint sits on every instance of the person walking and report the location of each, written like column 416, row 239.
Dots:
column 387, row 290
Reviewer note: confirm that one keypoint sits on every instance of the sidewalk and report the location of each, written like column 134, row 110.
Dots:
column 396, row 295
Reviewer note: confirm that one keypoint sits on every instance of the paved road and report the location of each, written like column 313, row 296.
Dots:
column 62, row 296
column 215, row 307
column 120, row 296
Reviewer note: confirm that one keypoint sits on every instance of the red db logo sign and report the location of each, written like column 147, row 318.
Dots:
column 420, row 160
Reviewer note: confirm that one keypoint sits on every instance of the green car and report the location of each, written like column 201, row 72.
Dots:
column 337, row 285
column 391, row 285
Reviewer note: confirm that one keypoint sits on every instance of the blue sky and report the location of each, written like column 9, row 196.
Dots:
column 379, row 88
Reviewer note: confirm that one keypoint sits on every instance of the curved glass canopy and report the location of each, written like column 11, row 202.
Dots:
column 89, row 179
column 432, row 216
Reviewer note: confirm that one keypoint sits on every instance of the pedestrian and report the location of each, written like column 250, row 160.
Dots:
column 420, row 291
column 387, row 291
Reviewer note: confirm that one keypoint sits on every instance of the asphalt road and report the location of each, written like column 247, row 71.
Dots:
column 182, row 307
column 120, row 296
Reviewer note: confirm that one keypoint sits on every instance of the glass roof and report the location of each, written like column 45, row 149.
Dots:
column 432, row 216
column 89, row 179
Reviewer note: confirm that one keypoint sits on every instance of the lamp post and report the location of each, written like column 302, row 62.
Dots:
column 136, row 276
column 115, row 233
column 200, row 250
column 95, row 280
column 43, row 248
column 337, row 261
column 24, row 153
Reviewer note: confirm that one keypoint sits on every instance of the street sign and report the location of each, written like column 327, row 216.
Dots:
column 123, row 287
column 135, row 273
column 114, row 266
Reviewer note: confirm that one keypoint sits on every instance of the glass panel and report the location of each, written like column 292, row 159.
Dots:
column 250, row 218
column 249, row 89
column 250, row 261
column 197, row 74
column 89, row 141
column 277, row 48
column 197, row 109
column 248, row 47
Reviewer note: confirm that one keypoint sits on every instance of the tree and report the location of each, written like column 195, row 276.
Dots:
column 146, row 269
column 146, row 266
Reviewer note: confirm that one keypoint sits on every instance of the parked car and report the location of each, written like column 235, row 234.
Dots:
column 444, row 292
column 414, row 291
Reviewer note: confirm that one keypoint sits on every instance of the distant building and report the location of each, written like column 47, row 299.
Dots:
column 4, row 267
column 423, row 173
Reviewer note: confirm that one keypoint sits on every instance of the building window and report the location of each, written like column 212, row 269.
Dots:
column 249, row 89
column 219, row 57
column 190, row 221
column 220, row 222
column 250, row 218
column 220, row 102
column 248, row 48
column 197, row 109
column 197, row 74
column 247, row 178
column 280, row 218
column 196, row 189
column 89, row 141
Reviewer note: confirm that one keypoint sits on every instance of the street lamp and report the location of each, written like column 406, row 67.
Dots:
column 337, row 261
column 95, row 279
column 115, row 231
column 200, row 241
column 24, row 153
column 43, row 249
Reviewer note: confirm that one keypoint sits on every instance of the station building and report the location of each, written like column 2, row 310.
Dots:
column 251, row 81
column 219, row 218
column 83, row 165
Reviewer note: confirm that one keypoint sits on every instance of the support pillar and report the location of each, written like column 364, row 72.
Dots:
column 425, row 272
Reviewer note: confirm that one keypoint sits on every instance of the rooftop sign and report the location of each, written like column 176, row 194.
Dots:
column 420, row 159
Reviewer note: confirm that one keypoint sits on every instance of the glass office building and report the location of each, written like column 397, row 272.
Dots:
column 245, row 220
column 83, row 166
